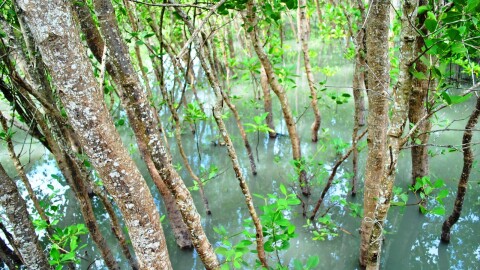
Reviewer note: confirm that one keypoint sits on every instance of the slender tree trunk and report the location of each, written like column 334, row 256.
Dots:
column 319, row 12
column 468, row 159
column 21, row 172
column 379, row 77
column 418, row 109
column 232, row 107
column 160, row 76
column 217, row 114
column 304, row 33
column 267, row 103
column 250, row 21
column 359, row 89
column 59, row 43
column 145, row 127
column 16, row 211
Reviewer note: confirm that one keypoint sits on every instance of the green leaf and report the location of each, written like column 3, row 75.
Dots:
column 431, row 22
column 442, row 194
column 460, row 99
column 73, row 243
column 312, row 262
column 446, row 97
column 423, row 9
column 283, row 189
column 439, row 210
column 55, row 254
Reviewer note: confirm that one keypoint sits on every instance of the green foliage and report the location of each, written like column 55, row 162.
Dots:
column 425, row 189
column 259, row 124
column 65, row 245
column 277, row 228
column 194, row 114
column 206, row 174
column 277, row 232
column 327, row 228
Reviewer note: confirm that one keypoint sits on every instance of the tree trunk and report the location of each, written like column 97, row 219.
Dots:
column 16, row 211
column 267, row 103
column 359, row 99
column 304, row 33
column 379, row 78
column 59, row 43
column 467, row 167
column 55, row 138
column 96, row 44
column 21, row 172
column 217, row 114
column 250, row 21
column 418, row 109
column 145, row 126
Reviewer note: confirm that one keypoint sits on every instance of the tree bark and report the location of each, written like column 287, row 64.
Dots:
column 55, row 138
column 267, row 103
column 359, row 90
column 96, row 44
column 467, row 167
column 418, row 109
column 378, row 77
column 304, row 33
column 145, row 126
column 250, row 21
column 59, row 42
column 16, row 211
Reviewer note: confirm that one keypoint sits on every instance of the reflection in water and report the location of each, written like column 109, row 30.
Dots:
column 411, row 239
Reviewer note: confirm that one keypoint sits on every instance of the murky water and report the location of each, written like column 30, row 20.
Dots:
column 412, row 239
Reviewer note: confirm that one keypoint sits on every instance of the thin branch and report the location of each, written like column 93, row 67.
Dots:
column 199, row 28
column 170, row 5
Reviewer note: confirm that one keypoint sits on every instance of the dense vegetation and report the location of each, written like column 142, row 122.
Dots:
column 76, row 75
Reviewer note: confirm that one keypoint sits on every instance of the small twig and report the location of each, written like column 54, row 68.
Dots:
column 199, row 28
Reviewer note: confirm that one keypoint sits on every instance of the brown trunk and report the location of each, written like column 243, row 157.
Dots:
column 379, row 78
column 250, row 21
column 467, row 167
column 359, row 89
column 178, row 137
column 304, row 33
column 61, row 49
column 24, row 233
column 267, row 103
column 145, row 126
column 57, row 125
column 217, row 114
column 179, row 228
column 96, row 43
column 418, row 109
column 319, row 12
column 116, row 226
